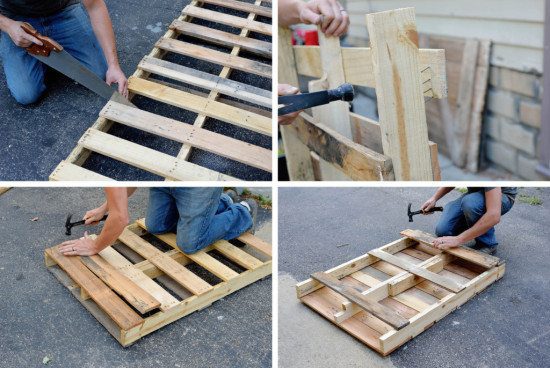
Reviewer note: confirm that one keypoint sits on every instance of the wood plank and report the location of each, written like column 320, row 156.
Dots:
column 215, row 56
column 337, row 117
column 297, row 154
column 185, row 133
column 133, row 294
column 218, row 37
column 401, row 107
column 147, row 159
column 470, row 255
column 213, row 265
column 356, row 161
column 132, row 272
column 67, row 171
column 100, row 293
column 237, row 255
column 242, row 6
column 359, row 68
column 229, row 20
column 419, row 271
column 204, row 80
column 378, row 310
column 170, row 267
column 201, row 105
column 256, row 243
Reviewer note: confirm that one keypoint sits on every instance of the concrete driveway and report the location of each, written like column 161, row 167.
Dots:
column 505, row 326
column 40, row 317
column 36, row 138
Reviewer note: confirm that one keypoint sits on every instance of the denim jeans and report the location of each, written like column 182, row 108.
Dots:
column 72, row 29
column 462, row 213
column 199, row 216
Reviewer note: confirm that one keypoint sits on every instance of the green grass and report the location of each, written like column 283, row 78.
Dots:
column 461, row 190
column 530, row 200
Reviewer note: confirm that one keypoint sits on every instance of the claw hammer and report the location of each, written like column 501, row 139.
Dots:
column 411, row 213
column 292, row 103
column 69, row 225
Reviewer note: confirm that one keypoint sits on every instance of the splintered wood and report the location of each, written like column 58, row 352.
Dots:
column 397, row 147
column 392, row 294
column 247, row 107
column 134, row 288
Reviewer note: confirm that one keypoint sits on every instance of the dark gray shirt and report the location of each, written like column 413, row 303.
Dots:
column 33, row 8
column 511, row 192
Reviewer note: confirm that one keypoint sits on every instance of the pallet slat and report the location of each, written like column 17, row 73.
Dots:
column 378, row 310
column 214, row 56
column 67, row 171
column 172, row 268
column 471, row 255
column 242, row 6
column 126, row 267
column 419, row 271
column 229, row 20
column 184, row 133
column 237, row 255
column 213, row 265
column 148, row 159
column 223, row 38
column 212, row 82
column 201, row 105
column 133, row 294
column 119, row 311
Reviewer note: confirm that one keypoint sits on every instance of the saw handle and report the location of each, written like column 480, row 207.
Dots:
column 48, row 45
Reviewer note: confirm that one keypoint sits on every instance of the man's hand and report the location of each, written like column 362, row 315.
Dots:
column 19, row 36
column 447, row 242
column 329, row 14
column 84, row 246
column 428, row 205
column 116, row 75
column 284, row 90
column 93, row 217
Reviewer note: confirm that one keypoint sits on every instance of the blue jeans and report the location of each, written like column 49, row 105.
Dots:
column 462, row 213
column 72, row 29
column 199, row 216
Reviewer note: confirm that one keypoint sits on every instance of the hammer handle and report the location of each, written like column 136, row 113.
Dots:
column 82, row 222
column 432, row 210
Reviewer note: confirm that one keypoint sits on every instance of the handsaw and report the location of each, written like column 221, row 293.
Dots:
column 52, row 54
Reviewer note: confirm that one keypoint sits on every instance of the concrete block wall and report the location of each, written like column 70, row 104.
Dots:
column 512, row 122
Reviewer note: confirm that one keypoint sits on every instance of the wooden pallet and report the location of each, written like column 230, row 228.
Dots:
column 348, row 146
column 392, row 294
column 134, row 288
column 253, row 113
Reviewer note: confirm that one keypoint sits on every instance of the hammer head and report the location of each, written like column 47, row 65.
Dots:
column 68, row 224
column 409, row 212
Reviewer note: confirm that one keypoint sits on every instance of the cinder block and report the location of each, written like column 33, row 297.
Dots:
column 530, row 113
column 503, row 103
column 492, row 126
column 527, row 168
column 502, row 155
column 522, row 83
column 494, row 76
column 518, row 136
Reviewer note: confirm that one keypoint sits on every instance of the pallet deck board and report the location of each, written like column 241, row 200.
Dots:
column 167, row 82
column 242, row 6
column 388, row 276
column 115, row 313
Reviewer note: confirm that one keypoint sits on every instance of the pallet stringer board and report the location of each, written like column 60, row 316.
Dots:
column 137, row 283
column 339, row 294
column 236, row 113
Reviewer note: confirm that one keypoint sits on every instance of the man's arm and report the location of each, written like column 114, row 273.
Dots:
column 16, row 33
column 493, row 205
column 118, row 219
column 103, row 29
column 430, row 203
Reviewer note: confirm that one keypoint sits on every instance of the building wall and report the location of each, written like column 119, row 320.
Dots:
column 516, row 29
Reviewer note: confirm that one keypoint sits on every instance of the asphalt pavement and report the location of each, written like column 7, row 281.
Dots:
column 40, row 317
column 505, row 326
column 36, row 138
